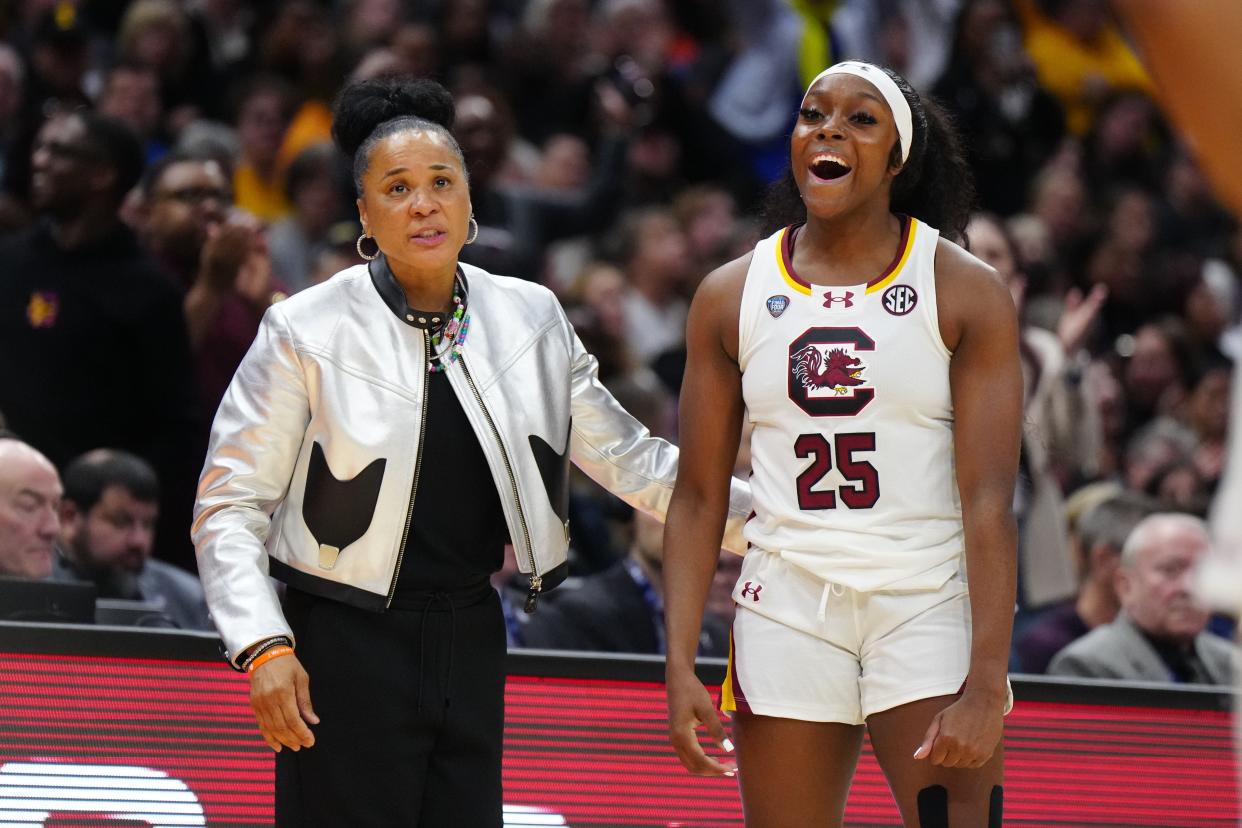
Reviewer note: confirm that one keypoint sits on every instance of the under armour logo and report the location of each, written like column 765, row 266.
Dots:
column 847, row 299
column 752, row 591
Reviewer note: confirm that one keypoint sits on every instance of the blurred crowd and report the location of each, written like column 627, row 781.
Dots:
column 167, row 174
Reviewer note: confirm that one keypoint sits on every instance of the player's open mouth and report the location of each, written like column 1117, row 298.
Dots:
column 829, row 166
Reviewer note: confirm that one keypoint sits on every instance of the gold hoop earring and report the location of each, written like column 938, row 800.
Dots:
column 474, row 225
column 358, row 245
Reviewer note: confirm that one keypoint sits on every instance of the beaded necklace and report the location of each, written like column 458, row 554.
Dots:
column 453, row 334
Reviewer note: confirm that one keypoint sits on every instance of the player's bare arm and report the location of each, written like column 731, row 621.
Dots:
column 710, row 427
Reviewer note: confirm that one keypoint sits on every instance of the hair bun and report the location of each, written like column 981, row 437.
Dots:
column 364, row 105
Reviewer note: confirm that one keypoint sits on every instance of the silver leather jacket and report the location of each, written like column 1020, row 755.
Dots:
column 313, row 463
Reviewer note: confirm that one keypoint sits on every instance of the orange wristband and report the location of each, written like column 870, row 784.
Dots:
column 265, row 657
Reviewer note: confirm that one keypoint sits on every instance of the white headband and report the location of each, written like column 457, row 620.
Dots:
column 878, row 78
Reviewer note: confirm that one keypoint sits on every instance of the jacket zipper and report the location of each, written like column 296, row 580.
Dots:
column 536, row 580
column 418, row 465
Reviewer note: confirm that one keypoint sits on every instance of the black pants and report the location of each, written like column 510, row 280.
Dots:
column 411, row 719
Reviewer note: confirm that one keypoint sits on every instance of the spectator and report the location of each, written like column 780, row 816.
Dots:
column 1015, row 126
column 29, row 499
column 1079, row 55
column 418, row 48
column 1128, row 144
column 708, row 217
column 621, row 609
column 1045, row 569
column 317, row 184
column 1181, row 487
column 548, row 68
column 1059, row 201
column 370, row 23
column 465, row 29
column 656, row 258
column 516, row 224
column 227, row 33
column 302, row 47
column 1207, row 413
column 93, row 347
column 108, row 517
column 1210, row 309
column 12, row 74
column 1190, row 216
column 159, row 34
column 1100, row 533
column 131, row 93
column 1157, row 370
column 58, row 60
column 1160, row 633
column 1160, row 444
column 911, row 36
column 600, row 288
column 677, row 137
column 780, row 47
column 565, row 164
column 56, row 66
column 219, row 259
column 263, row 116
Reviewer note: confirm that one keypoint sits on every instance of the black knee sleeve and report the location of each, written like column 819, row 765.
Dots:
column 934, row 807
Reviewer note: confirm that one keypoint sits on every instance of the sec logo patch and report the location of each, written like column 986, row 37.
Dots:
column 900, row 299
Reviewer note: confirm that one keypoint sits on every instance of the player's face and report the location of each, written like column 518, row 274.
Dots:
column 841, row 146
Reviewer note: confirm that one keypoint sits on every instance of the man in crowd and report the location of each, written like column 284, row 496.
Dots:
column 1098, row 537
column 218, row 258
column 30, row 495
column 108, row 517
column 93, row 348
column 1159, row 635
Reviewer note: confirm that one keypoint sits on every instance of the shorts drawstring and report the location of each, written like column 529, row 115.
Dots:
column 829, row 588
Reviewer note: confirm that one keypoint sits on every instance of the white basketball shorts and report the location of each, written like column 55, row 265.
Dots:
column 821, row 652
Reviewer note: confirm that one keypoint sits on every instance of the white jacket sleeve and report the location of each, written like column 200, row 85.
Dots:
column 619, row 453
column 255, row 440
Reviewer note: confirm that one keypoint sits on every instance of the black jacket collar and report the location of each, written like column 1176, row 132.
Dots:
column 390, row 291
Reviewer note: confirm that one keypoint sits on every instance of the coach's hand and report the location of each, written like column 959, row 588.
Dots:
column 689, row 707
column 965, row 734
column 280, row 698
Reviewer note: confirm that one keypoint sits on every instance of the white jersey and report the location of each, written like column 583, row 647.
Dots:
column 848, row 392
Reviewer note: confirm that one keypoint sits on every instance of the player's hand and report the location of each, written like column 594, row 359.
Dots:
column 965, row 734
column 689, row 707
column 280, row 698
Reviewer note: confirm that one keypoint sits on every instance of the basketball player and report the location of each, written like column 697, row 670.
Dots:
column 878, row 364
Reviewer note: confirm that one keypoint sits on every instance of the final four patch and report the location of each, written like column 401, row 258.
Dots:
column 777, row 305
